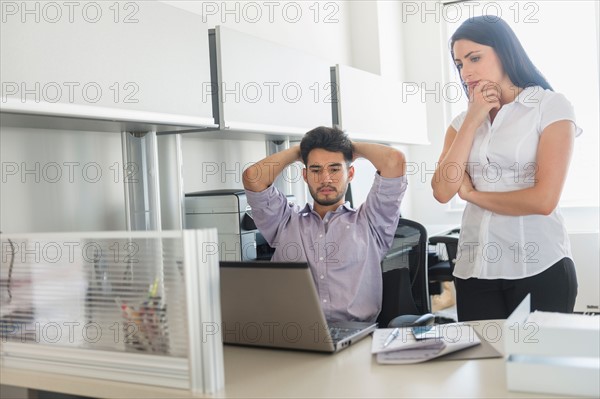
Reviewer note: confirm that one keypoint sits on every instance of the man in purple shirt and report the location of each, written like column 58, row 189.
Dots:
column 343, row 246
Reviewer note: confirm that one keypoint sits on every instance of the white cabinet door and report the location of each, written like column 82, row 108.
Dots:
column 145, row 56
column 373, row 108
column 268, row 88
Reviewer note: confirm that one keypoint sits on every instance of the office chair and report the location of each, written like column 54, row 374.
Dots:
column 404, row 268
column 439, row 269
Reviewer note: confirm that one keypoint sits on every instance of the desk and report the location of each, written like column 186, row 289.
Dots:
column 254, row 372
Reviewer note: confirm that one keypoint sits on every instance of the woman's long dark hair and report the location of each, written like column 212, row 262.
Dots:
column 493, row 31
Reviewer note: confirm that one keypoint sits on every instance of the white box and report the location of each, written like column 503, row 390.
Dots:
column 554, row 375
column 551, row 334
column 552, row 353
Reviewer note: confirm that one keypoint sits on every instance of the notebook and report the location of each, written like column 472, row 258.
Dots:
column 275, row 304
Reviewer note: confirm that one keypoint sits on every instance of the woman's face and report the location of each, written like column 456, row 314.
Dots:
column 477, row 62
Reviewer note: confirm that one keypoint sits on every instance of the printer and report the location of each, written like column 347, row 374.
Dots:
column 229, row 212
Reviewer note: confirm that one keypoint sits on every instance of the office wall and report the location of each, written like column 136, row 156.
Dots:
column 318, row 28
column 212, row 164
column 422, row 68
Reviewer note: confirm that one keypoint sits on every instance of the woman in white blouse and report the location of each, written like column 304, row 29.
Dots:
column 508, row 157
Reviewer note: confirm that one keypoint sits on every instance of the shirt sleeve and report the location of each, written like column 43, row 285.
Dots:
column 458, row 120
column 382, row 208
column 557, row 108
column 270, row 211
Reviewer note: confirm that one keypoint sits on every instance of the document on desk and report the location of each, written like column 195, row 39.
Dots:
column 441, row 340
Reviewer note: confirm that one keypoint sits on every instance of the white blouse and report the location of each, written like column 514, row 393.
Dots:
column 503, row 158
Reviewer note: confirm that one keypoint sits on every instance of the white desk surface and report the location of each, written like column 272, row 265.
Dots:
column 264, row 373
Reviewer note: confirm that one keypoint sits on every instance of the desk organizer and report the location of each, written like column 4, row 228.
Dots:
column 138, row 307
column 553, row 353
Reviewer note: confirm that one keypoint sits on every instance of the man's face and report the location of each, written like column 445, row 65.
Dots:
column 327, row 176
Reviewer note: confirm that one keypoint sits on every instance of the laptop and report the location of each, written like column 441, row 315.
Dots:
column 275, row 304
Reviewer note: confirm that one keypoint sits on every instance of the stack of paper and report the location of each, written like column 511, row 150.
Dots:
column 440, row 340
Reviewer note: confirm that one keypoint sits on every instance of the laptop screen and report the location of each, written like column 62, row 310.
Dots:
column 272, row 304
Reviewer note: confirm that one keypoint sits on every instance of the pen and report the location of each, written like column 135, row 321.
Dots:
column 393, row 335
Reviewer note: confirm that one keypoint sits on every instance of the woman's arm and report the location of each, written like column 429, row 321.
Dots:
column 553, row 158
column 450, row 169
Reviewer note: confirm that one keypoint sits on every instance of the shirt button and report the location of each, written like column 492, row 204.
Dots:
column 321, row 277
column 324, row 300
column 320, row 235
column 348, row 226
column 321, row 258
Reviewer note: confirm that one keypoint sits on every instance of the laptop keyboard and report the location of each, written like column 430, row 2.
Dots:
column 339, row 333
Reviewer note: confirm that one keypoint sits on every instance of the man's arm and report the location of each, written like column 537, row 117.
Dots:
column 262, row 174
column 389, row 161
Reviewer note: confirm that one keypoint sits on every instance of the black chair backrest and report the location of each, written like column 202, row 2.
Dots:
column 450, row 242
column 405, row 281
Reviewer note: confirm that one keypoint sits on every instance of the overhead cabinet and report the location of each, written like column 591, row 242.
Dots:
column 138, row 69
column 266, row 88
column 371, row 107
column 90, row 118
column 142, row 56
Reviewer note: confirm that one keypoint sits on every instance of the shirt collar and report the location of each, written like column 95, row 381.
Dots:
column 308, row 208
column 530, row 96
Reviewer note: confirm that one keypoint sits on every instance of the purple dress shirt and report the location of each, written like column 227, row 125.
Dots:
column 344, row 249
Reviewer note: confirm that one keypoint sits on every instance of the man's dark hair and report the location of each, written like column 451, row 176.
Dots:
column 329, row 139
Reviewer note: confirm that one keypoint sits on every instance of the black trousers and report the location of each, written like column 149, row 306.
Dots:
column 553, row 290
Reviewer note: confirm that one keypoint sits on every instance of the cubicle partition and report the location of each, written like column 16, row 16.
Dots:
column 137, row 307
